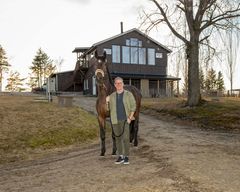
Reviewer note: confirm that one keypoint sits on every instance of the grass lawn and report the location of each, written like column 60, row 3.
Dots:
column 215, row 113
column 28, row 127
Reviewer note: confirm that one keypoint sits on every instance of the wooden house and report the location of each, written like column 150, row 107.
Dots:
column 64, row 82
column 137, row 58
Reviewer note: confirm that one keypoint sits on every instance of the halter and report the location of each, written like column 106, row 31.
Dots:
column 102, row 73
column 99, row 71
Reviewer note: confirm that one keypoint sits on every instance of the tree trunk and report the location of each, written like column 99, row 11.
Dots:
column 193, row 73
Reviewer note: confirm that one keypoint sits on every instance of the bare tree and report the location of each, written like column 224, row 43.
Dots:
column 202, row 17
column 231, row 41
column 58, row 63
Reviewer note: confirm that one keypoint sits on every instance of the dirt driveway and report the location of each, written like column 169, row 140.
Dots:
column 170, row 158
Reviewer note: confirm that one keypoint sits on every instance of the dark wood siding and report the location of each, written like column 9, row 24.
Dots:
column 160, row 63
column 66, row 83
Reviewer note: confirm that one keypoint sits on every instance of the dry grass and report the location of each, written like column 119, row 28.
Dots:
column 214, row 113
column 28, row 126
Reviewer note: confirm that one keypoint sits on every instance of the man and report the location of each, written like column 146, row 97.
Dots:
column 122, row 106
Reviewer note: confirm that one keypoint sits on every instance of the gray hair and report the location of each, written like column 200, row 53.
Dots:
column 118, row 78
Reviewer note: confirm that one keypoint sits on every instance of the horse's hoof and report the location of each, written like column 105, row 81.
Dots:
column 114, row 153
column 102, row 154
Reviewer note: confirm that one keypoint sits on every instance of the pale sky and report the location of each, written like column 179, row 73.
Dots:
column 58, row 26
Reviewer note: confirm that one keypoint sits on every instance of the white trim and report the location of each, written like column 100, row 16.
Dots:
column 94, row 88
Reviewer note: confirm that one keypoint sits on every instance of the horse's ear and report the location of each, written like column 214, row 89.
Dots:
column 96, row 54
column 104, row 55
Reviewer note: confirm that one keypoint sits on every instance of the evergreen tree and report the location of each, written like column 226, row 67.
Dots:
column 14, row 82
column 42, row 67
column 32, row 81
column 220, row 82
column 3, row 65
column 210, row 83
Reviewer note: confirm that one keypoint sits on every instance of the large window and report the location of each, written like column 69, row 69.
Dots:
column 151, row 56
column 133, row 53
column 115, row 53
column 125, row 54
column 142, row 56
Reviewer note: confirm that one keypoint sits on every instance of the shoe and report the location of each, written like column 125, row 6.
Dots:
column 119, row 160
column 126, row 161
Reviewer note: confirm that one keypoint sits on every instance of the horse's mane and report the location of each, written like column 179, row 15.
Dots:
column 109, row 77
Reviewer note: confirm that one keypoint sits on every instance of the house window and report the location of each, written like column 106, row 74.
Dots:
column 136, row 83
column 159, row 55
column 134, row 42
column 126, row 81
column 151, row 56
column 125, row 54
column 153, row 88
column 115, row 53
column 108, row 51
column 134, row 55
column 142, row 56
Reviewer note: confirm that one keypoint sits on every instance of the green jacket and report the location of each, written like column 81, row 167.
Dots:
column 128, row 102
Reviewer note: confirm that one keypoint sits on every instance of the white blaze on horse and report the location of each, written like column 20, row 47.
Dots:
column 105, row 87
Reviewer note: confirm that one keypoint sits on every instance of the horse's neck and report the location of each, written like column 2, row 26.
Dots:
column 104, row 91
column 109, row 85
column 111, row 89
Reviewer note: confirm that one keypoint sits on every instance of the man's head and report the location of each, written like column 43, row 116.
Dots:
column 118, row 83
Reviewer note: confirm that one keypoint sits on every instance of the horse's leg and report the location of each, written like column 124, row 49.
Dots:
column 135, row 132
column 101, row 122
column 131, row 130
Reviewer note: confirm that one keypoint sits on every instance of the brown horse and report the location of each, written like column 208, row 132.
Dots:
column 105, row 87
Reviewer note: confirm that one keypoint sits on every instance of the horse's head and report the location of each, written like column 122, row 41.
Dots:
column 101, row 71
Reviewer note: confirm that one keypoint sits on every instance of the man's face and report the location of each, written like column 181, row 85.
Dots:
column 119, row 85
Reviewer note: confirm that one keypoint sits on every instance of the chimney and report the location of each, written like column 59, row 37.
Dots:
column 121, row 23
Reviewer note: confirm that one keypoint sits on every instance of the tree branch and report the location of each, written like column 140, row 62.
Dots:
column 167, row 21
column 230, row 14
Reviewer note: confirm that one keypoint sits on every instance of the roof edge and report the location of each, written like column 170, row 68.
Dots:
column 131, row 30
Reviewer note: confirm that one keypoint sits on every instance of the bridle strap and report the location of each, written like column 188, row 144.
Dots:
column 99, row 71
